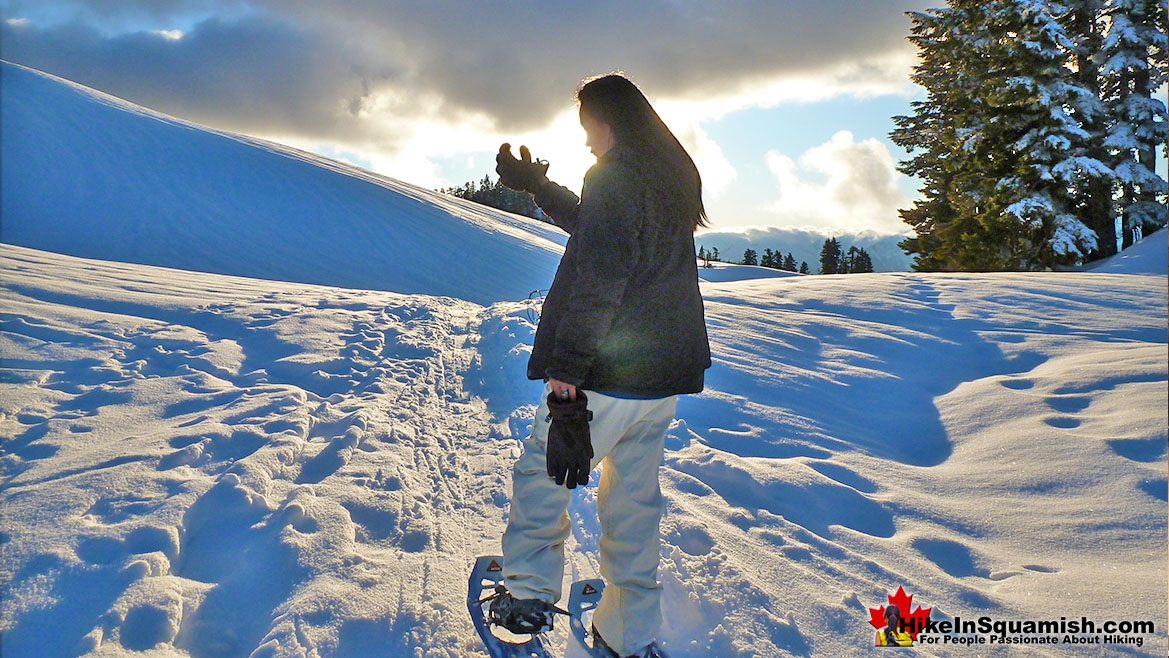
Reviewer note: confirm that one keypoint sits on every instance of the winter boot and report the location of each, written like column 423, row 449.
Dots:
column 599, row 643
column 520, row 616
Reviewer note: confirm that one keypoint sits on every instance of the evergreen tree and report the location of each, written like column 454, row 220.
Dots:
column 830, row 257
column 1062, row 148
column 1007, row 140
column 1133, row 60
column 494, row 194
column 715, row 256
column 1093, row 203
column 789, row 263
column 803, row 267
column 929, row 134
column 705, row 256
column 750, row 257
column 848, row 263
column 701, row 252
column 1032, row 152
column 768, row 259
column 863, row 264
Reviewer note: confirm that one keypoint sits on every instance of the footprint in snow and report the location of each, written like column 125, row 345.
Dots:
column 1157, row 488
column 1140, row 450
column 1062, row 422
column 1069, row 404
column 953, row 557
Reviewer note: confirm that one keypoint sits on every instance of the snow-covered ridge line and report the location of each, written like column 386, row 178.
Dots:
column 91, row 175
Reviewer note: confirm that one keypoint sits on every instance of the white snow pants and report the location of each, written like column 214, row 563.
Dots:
column 628, row 436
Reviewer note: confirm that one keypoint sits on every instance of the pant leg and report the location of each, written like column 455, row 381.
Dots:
column 630, row 506
column 537, row 525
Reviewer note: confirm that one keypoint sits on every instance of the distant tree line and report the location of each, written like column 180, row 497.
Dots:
column 835, row 261
column 772, row 259
column 707, row 256
column 1037, row 139
column 494, row 194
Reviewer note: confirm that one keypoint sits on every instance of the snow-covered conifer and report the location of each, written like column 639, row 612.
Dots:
column 1093, row 197
column 1033, row 130
column 1010, row 139
column 1133, row 64
column 927, row 134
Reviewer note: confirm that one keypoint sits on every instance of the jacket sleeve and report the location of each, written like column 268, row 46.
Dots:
column 606, row 236
column 560, row 204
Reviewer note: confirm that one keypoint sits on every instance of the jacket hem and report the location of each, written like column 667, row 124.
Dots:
column 696, row 385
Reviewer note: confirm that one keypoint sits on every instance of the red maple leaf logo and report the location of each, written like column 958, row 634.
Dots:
column 913, row 622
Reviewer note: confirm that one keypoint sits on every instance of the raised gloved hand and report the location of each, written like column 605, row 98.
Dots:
column 570, row 448
column 523, row 174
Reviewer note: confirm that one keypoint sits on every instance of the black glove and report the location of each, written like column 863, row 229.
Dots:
column 570, row 449
column 523, row 174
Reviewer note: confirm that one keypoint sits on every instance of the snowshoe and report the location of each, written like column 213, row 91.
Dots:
column 487, row 575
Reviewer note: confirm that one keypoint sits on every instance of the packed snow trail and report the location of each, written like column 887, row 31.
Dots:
column 240, row 412
column 221, row 466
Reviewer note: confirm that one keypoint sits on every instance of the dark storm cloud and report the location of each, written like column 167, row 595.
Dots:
column 520, row 61
column 309, row 68
column 255, row 73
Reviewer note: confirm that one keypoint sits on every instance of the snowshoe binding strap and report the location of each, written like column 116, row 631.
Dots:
column 520, row 616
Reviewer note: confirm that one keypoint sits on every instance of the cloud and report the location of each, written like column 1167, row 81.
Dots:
column 515, row 62
column 377, row 76
column 518, row 62
column 859, row 189
column 254, row 74
column 716, row 170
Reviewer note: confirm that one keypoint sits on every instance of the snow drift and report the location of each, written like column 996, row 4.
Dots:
column 91, row 175
column 211, row 466
column 1149, row 256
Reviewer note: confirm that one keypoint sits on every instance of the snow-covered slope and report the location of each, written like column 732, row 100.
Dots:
column 91, row 175
column 1149, row 256
column 215, row 466
column 719, row 271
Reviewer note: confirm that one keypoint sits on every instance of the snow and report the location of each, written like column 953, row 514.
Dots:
column 150, row 189
column 1071, row 235
column 720, row 271
column 1030, row 210
column 1149, row 256
column 200, row 464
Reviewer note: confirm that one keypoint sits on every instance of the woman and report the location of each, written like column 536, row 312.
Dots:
column 623, row 321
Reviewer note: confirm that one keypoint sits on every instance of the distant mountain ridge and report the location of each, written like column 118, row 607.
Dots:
column 804, row 244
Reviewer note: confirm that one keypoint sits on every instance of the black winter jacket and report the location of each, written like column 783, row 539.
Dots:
column 624, row 313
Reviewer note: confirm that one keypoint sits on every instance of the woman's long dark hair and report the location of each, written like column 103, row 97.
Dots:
column 614, row 100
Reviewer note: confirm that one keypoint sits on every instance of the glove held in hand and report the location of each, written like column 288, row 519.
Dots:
column 570, row 448
column 523, row 174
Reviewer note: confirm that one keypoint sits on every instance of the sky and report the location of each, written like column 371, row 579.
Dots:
column 785, row 105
